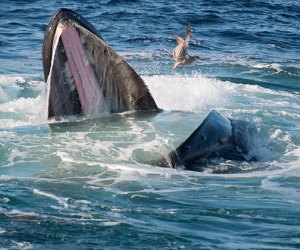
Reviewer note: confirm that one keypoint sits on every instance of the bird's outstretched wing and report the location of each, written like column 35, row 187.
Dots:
column 187, row 35
column 179, row 39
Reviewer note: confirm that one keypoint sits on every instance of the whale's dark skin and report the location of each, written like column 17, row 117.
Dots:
column 84, row 76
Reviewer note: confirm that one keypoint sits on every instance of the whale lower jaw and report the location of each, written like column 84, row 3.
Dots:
column 84, row 75
column 73, row 87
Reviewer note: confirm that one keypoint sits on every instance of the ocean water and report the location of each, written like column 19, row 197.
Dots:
column 79, row 182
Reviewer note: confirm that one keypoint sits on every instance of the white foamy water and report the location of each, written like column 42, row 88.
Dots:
column 61, row 200
column 17, row 109
column 173, row 93
column 192, row 96
column 9, row 89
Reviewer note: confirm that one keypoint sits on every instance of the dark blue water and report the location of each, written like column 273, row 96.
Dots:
column 232, row 37
column 79, row 182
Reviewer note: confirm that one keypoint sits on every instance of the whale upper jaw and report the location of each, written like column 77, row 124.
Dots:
column 84, row 75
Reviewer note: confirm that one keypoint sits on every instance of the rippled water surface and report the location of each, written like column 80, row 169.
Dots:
column 80, row 181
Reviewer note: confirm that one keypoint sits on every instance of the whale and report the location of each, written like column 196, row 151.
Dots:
column 84, row 76
column 216, row 137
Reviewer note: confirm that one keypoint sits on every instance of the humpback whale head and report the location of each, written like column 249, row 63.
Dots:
column 213, row 135
column 84, row 76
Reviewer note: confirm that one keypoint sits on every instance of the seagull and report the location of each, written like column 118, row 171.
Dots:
column 180, row 53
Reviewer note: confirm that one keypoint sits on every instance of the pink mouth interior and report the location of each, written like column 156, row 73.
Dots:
column 89, row 92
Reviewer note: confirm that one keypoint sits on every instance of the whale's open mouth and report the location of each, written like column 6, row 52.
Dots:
column 84, row 75
column 76, row 76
